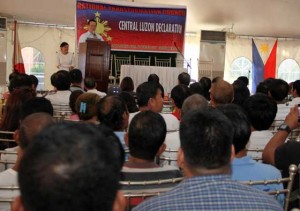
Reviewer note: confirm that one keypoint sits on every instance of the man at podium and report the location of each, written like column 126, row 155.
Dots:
column 92, row 25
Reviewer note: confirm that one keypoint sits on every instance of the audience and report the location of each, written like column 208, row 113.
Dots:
column 149, row 97
column 241, row 92
column 29, row 128
column 282, row 154
column 60, row 170
column 221, row 92
column 153, row 78
column 184, row 78
column 129, row 101
column 244, row 168
column 86, row 107
column 178, row 94
column 196, row 88
column 91, row 87
column 145, row 139
column 278, row 90
column 61, row 82
column 205, row 84
column 35, row 81
column 261, row 111
column 127, row 85
column 113, row 113
column 244, row 79
column 296, row 93
column 76, row 80
column 204, row 156
column 72, row 103
column 10, row 119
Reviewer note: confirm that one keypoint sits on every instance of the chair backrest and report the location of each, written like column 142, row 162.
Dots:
column 7, row 136
column 141, row 61
column 168, row 157
column 287, row 180
column 135, row 197
column 7, row 164
column 163, row 62
column 258, row 151
column 119, row 61
column 6, row 202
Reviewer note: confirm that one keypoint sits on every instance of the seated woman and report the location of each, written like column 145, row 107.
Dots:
column 86, row 107
column 72, row 102
column 127, row 85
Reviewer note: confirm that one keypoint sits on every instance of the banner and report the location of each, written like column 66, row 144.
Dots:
column 134, row 28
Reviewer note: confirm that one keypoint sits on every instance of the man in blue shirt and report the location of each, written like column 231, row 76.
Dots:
column 205, row 154
column 244, row 168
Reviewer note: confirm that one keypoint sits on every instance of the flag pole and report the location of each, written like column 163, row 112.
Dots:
column 15, row 45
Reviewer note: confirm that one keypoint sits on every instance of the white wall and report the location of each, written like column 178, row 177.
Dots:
column 45, row 39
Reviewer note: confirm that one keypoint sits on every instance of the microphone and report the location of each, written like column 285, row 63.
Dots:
column 184, row 59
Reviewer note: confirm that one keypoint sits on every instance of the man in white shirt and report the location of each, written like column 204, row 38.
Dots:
column 90, row 85
column 92, row 25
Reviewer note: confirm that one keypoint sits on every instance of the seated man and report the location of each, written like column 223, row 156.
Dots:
column 221, row 92
column 244, row 168
column 71, row 167
column 261, row 111
column 149, row 97
column 282, row 154
column 90, row 85
column 29, row 128
column 76, row 80
column 184, row 79
column 205, row 154
column 178, row 94
column 145, row 138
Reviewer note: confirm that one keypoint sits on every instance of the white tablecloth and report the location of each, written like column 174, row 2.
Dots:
column 139, row 74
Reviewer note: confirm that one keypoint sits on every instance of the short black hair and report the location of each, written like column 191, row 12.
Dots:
column 145, row 91
column 63, row 44
column 70, row 161
column 196, row 88
column 296, row 86
column 153, row 78
column 261, row 111
column 241, row 92
column 92, row 20
column 76, row 76
column 206, row 139
column 147, row 132
column 35, row 80
column 184, row 78
column 244, row 79
column 61, row 80
column 20, row 81
column 205, row 84
column 279, row 89
column 110, row 111
column 241, row 125
column 36, row 105
column 89, row 83
column 179, row 93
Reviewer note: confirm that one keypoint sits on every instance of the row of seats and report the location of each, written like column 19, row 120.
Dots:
column 136, row 197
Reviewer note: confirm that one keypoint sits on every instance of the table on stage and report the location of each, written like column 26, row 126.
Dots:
column 139, row 74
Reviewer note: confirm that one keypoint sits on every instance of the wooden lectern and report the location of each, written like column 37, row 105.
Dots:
column 93, row 61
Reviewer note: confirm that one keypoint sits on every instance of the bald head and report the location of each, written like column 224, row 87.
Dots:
column 32, row 125
column 194, row 102
column 221, row 92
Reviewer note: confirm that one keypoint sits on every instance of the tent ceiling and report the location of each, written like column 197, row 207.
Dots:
column 277, row 18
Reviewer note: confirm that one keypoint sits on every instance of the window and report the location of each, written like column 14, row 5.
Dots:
column 289, row 70
column 241, row 67
column 34, row 63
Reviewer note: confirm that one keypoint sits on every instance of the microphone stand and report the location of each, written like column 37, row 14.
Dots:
column 184, row 59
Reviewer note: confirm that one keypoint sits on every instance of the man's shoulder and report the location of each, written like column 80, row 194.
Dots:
column 225, row 195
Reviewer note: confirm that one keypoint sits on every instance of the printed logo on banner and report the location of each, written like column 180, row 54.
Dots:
column 102, row 27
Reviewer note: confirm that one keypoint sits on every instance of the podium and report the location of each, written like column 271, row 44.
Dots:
column 93, row 61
